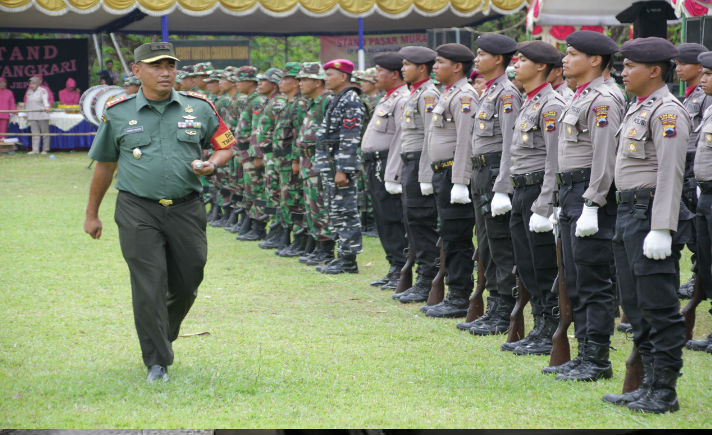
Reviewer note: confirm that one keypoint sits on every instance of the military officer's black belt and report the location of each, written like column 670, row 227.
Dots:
column 572, row 177
column 374, row 156
column 442, row 165
column 242, row 146
column 631, row 196
column 412, row 155
column 486, row 159
column 705, row 186
column 164, row 201
column 307, row 152
column 528, row 179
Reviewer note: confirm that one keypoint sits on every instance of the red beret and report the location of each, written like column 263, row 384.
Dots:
column 342, row 65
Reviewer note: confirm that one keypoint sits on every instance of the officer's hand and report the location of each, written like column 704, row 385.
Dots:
column 340, row 179
column 393, row 188
column 657, row 244
column 202, row 168
column 699, row 192
column 426, row 189
column 587, row 224
column 295, row 167
column 259, row 162
column 92, row 226
column 540, row 224
column 500, row 204
column 460, row 194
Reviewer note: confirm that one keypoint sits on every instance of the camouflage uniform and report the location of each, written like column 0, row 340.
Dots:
column 338, row 140
column 226, row 176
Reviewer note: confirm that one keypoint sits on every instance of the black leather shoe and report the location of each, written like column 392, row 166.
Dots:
column 498, row 320
column 632, row 396
column 594, row 366
column 533, row 334
column 393, row 278
column 568, row 365
column 699, row 345
column 542, row 344
column 157, row 373
column 342, row 264
column 661, row 397
column 709, row 349
column 380, row 282
column 418, row 293
column 625, row 328
column 454, row 305
column 687, row 289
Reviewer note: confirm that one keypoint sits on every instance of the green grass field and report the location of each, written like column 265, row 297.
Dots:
column 288, row 347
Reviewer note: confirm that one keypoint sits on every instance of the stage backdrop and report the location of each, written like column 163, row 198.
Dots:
column 55, row 60
column 346, row 47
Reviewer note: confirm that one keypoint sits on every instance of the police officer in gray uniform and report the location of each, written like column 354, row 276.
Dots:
column 587, row 151
column 417, row 176
column 703, row 174
column 491, row 138
column 449, row 149
column 652, row 222
column 532, row 164
column 380, row 152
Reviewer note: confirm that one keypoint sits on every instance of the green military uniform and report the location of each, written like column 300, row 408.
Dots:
column 160, row 217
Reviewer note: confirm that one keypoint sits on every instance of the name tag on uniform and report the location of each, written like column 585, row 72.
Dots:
column 138, row 129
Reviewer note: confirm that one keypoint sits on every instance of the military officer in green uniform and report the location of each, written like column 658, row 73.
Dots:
column 156, row 140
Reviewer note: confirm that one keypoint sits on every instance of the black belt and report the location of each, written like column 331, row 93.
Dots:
column 486, row 159
column 412, row 155
column 307, row 152
column 630, row 196
column 243, row 146
column 281, row 152
column 573, row 177
column 374, row 156
column 528, row 179
column 442, row 165
column 166, row 202
column 705, row 186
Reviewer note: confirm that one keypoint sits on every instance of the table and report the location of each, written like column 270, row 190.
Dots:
column 58, row 123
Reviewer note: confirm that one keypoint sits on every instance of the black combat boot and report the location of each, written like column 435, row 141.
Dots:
column 222, row 222
column 498, row 321
column 699, row 345
column 632, row 396
column 393, row 277
column 491, row 303
column 533, row 334
column 214, row 213
column 232, row 219
column 312, row 246
column 344, row 263
column 595, row 364
column 245, row 226
column 687, row 289
column 323, row 255
column 568, row 365
column 542, row 344
column 380, row 282
column 297, row 247
column 285, row 238
column 240, row 215
column 455, row 304
column 272, row 240
column 257, row 232
column 661, row 396
column 625, row 328
column 418, row 293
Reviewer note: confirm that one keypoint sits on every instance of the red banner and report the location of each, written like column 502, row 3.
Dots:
column 346, row 47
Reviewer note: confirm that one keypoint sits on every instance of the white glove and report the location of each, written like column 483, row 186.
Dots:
column 393, row 188
column 699, row 192
column 426, row 189
column 587, row 224
column 554, row 218
column 657, row 244
column 500, row 204
column 539, row 224
column 460, row 194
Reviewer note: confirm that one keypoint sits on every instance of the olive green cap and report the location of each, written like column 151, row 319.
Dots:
column 291, row 69
column 311, row 70
column 154, row 51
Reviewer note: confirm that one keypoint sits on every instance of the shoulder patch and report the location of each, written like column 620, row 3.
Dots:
column 197, row 95
column 506, row 100
column 465, row 104
column 116, row 101
column 601, row 113
column 669, row 122
column 429, row 103
column 549, row 121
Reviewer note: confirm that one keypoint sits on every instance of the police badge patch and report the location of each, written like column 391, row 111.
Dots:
column 507, row 103
column 429, row 103
column 669, row 122
column 465, row 103
column 601, row 115
column 549, row 121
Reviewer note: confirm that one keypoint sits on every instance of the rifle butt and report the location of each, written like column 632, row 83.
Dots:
column 477, row 305
column 688, row 311
column 405, row 281
column 633, row 371
column 437, row 289
column 516, row 318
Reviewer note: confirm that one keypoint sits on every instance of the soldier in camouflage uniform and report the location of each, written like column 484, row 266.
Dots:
column 268, row 86
column 285, row 156
column 338, row 164
column 212, row 85
column 187, row 81
column 201, row 71
column 311, row 83
column 254, row 176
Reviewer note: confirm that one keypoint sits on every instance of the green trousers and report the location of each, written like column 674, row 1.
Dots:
column 165, row 249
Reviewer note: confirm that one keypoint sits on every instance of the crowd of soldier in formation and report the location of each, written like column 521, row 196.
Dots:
column 524, row 160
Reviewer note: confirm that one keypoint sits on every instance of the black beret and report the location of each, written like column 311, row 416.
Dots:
column 455, row 52
column 689, row 52
column 560, row 63
column 417, row 54
column 388, row 60
column 649, row 50
column 540, row 52
column 705, row 59
column 593, row 43
column 495, row 43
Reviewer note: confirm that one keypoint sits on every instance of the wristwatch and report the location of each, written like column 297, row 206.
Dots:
column 590, row 203
column 215, row 167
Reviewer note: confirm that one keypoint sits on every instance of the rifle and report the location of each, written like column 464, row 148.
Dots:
column 516, row 318
column 406, row 274
column 561, row 351
column 633, row 371
column 477, row 305
column 688, row 312
column 437, row 289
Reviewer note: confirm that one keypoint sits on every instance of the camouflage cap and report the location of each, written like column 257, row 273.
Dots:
column 369, row 75
column 291, row 69
column 203, row 68
column 230, row 74
column 154, row 51
column 271, row 75
column 357, row 76
column 187, row 70
column 214, row 76
column 179, row 77
column 132, row 80
column 246, row 73
column 311, row 70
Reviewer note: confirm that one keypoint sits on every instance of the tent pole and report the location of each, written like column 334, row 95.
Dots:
column 164, row 28
column 361, row 53
column 118, row 53
column 99, row 57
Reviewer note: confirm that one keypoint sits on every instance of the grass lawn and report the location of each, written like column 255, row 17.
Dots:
column 288, row 347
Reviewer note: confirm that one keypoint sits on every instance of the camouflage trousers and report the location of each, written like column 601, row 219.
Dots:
column 218, row 181
column 271, row 185
column 236, row 183
column 291, row 200
column 317, row 217
column 341, row 204
column 254, row 182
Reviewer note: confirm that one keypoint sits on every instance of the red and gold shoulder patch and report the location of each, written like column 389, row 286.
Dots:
column 549, row 121
column 506, row 103
column 115, row 101
column 601, row 113
column 223, row 137
column 197, row 95
column 429, row 103
column 669, row 121
column 465, row 104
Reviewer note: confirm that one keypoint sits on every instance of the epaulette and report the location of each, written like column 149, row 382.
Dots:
column 197, row 95
column 115, row 101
